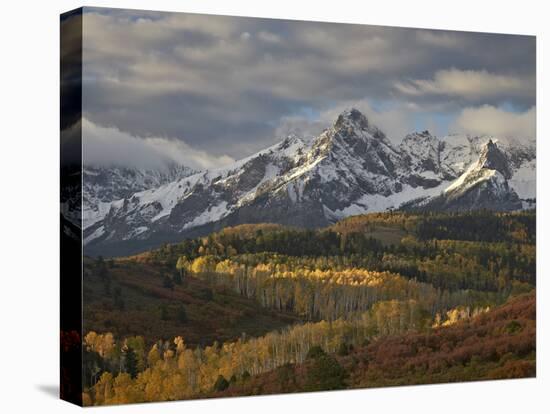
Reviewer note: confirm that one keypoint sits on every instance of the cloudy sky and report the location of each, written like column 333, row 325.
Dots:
column 205, row 90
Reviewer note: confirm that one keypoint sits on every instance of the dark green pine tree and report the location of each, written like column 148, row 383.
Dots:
column 177, row 277
column 131, row 363
column 181, row 314
column 163, row 313
column 221, row 383
column 168, row 283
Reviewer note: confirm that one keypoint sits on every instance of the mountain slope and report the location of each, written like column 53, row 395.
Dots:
column 103, row 185
column 484, row 185
column 350, row 168
column 295, row 182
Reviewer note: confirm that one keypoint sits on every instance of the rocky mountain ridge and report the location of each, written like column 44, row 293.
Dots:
column 350, row 168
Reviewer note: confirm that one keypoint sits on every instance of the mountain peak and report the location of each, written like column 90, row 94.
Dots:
column 351, row 116
column 424, row 133
column 417, row 136
column 493, row 158
column 353, row 123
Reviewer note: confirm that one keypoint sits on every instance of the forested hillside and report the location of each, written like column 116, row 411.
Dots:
column 128, row 299
column 381, row 299
column 498, row 344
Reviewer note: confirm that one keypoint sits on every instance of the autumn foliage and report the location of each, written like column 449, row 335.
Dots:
column 376, row 300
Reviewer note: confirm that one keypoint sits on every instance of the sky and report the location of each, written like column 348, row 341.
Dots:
column 205, row 90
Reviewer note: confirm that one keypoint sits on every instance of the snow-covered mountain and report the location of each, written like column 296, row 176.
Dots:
column 103, row 185
column 484, row 185
column 350, row 168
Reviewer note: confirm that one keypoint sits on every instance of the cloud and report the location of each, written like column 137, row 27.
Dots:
column 230, row 85
column 300, row 125
column 469, row 84
column 269, row 37
column 440, row 38
column 488, row 120
column 109, row 146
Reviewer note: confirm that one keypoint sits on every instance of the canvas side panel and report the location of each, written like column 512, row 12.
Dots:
column 71, row 207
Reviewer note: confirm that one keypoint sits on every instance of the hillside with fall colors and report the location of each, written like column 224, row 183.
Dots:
column 382, row 299
column 499, row 344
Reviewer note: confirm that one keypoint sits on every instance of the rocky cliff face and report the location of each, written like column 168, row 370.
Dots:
column 484, row 185
column 103, row 185
column 350, row 168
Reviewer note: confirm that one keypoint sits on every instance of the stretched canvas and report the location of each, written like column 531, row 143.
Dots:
column 258, row 206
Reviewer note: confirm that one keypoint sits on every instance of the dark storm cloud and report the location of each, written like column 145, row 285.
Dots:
column 225, row 85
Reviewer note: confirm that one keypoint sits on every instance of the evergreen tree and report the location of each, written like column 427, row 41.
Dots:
column 315, row 352
column 181, row 314
column 177, row 278
column 131, row 362
column 117, row 298
column 163, row 313
column 325, row 373
column 168, row 283
column 221, row 383
column 343, row 350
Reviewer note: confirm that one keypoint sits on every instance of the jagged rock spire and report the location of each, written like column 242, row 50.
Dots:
column 493, row 158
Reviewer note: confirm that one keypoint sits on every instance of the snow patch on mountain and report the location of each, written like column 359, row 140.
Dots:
column 98, row 232
column 484, row 185
column 350, row 168
column 523, row 180
column 101, row 186
column 211, row 214
column 377, row 203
